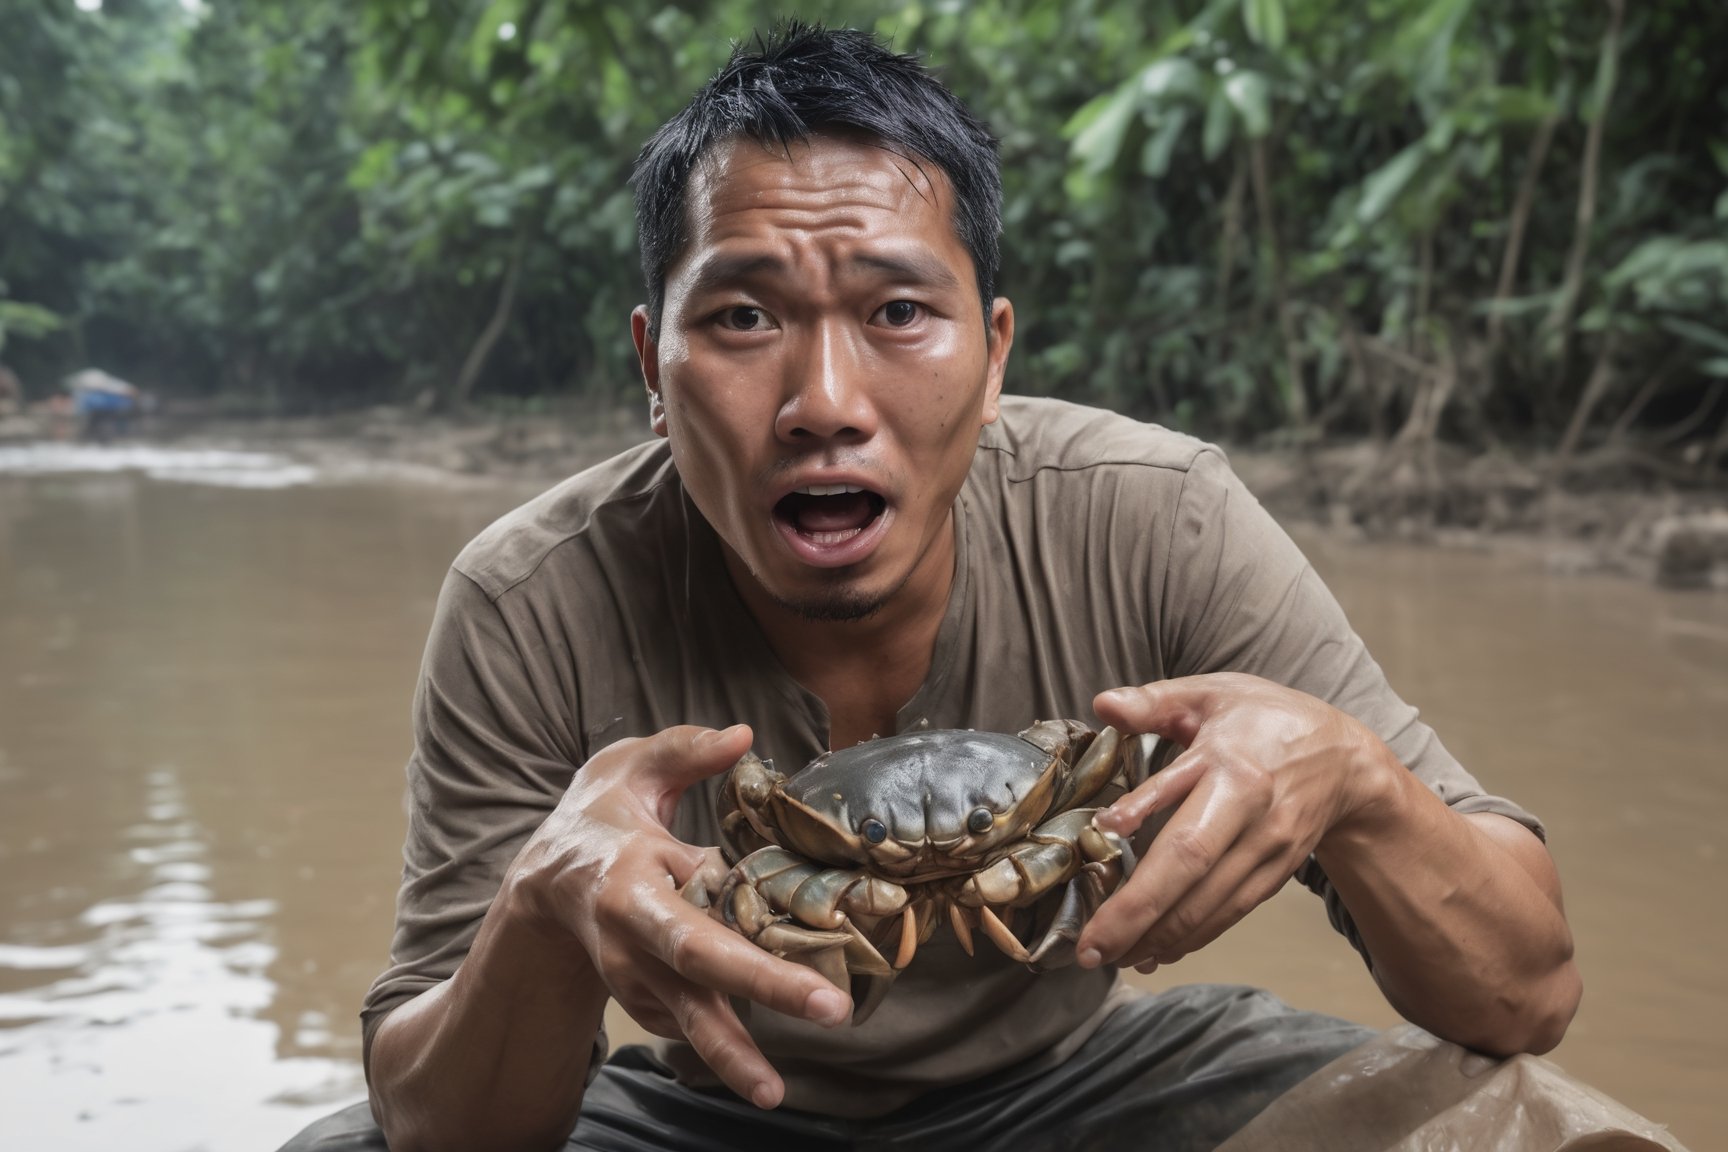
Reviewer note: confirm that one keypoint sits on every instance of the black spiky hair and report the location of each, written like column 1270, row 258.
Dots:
column 805, row 80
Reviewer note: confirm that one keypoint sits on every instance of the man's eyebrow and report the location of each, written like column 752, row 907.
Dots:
column 722, row 271
column 914, row 269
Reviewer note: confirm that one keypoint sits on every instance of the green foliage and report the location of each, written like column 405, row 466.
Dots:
column 1226, row 214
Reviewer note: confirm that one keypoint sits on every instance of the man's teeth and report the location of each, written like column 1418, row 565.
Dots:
column 828, row 489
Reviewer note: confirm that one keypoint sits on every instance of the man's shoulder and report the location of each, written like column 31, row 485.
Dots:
column 1037, row 433
column 630, row 488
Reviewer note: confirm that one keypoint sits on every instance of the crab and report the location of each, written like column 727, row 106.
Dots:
column 851, row 863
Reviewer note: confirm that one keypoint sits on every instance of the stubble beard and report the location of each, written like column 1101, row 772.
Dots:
column 837, row 606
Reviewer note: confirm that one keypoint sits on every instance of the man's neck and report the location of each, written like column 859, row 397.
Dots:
column 864, row 670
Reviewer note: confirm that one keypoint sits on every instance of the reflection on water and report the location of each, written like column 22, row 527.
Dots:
column 203, row 717
column 203, row 702
column 157, row 1022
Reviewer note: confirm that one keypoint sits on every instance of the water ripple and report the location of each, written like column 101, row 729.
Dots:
column 221, row 467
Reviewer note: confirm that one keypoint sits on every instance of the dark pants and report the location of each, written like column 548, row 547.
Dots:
column 1176, row 1072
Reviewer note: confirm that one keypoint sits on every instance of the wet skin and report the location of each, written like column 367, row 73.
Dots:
column 823, row 327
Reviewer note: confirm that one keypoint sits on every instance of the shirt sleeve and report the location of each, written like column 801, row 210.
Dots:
column 492, row 756
column 1239, row 596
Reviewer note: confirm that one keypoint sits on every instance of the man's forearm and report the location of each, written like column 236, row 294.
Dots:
column 1461, row 917
column 497, row 1056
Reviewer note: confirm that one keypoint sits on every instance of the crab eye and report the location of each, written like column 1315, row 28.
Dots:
column 981, row 821
column 873, row 830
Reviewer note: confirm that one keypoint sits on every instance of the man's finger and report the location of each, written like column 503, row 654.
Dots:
column 707, row 953
column 1160, row 792
column 1228, row 910
column 664, row 765
column 1194, row 840
column 685, row 754
column 714, row 1030
column 1226, row 893
column 1173, row 709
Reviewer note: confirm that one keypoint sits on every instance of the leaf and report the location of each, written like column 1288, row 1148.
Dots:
column 1649, row 257
column 374, row 167
column 1716, row 366
column 1075, row 251
column 1426, row 42
column 1520, row 105
column 1265, row 22
column 21, row 319
column 1386, row 183
column 1697, row 333
column 1251, row 95
column 1215, row 136
column 1098, row 144
column 1155, row 156
column 1170, row 78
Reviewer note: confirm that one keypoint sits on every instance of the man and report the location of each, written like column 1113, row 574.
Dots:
column 844, row 530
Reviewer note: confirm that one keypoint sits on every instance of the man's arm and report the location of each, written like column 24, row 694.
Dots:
column 1460, row 916
column 498, row 1055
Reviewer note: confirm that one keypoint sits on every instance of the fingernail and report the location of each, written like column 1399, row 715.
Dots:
column 827, row 1006
column 1089, row 958
column 1131, row 811
column 764, row 1095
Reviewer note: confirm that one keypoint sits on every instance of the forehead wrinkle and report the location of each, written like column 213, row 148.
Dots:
column 815, row 213
column 795, row 184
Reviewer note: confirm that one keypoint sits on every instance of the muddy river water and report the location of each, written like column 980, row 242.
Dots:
column 205, row 667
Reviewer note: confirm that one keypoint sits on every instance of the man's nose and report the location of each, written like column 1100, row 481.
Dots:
column 827, row 393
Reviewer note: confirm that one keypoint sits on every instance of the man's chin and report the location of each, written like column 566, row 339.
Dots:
column 838, row 599
column 839, row 606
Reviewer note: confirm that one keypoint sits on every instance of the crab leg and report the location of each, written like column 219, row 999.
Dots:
column 1053, row 853
column 1067, row 850
column 962, row 929
column 817, row 950
column 1001, row 936
column 827, row 895
column 908, row 939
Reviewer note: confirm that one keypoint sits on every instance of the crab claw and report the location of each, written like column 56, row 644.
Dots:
column 1070, row 852
column 799, row 911
column 1079, row 904
column 703, row 887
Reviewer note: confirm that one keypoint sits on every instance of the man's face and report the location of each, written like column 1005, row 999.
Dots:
column 823, row 368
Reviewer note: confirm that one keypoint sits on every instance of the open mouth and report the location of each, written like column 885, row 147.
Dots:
column 828, row 515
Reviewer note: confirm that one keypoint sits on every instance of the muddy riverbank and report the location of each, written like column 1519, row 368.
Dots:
column 1616, row 514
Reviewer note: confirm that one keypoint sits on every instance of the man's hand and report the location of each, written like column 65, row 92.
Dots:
column 498, row 1055
column 1266, row 773
column 1461, row 916
column 604, row 871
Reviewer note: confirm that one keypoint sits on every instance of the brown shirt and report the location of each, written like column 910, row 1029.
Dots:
column 1092, row 552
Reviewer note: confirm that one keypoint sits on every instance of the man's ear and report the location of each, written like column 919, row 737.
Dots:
column 648, row 356
column 1001, row 341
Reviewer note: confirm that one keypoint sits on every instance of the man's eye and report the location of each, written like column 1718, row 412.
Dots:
column 900, row 313
column 743, row 319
